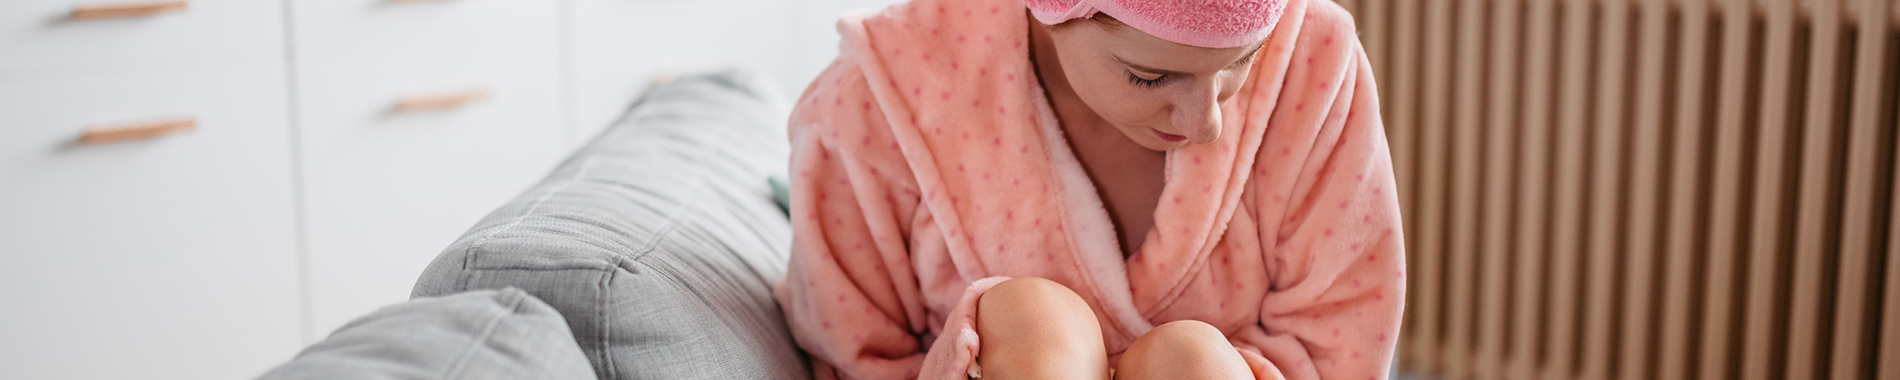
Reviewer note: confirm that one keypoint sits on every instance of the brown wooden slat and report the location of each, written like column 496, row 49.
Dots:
column 1852, row 326
column 1501, row 126
column 1768, row 245
column 1568, row 219
column 1405, row 41
column 1608, row 151
column 1637, row 348
column 1728, row 206
column 1889, row 350
column 1374, row 27
column 1533, row 183
column 1816, row 222
column 1683, row 243
column 1467, row 120
column 1434, row 143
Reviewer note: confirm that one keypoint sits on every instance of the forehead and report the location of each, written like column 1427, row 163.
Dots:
column 1136, row 48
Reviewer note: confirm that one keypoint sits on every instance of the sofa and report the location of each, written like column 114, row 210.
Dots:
column 650, row 253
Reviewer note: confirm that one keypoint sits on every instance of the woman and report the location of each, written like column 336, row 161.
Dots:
column 1092, row 189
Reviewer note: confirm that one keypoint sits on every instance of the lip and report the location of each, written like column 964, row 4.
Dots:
column 1168, row 137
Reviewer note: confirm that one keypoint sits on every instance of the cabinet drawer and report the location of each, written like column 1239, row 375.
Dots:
column 40, row 35
column 169, row 257
column 433, row 32
column 387, row 187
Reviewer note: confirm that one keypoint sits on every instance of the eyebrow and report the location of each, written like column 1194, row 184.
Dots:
column 1243, row 58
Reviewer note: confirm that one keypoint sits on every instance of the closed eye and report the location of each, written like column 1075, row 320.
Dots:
column 1144, row 82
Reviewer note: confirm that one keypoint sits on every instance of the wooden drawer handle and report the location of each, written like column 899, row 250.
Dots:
column 125, row 10
column 137, row 131
column 440, row 101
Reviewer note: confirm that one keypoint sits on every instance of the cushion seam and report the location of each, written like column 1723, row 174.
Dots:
column 603, row 309
column 488, row 331
column 468, row 255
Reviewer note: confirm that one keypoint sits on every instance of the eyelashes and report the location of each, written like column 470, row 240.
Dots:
column 1146, row 83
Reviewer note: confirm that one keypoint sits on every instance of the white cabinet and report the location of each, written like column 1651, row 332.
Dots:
column 304, row 197
column 620, row 44
column 38, row 36
column 385, row 191
column 169, row 258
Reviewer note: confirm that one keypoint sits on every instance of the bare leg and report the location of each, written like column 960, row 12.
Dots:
column 1031, row 328
column 1182, row 350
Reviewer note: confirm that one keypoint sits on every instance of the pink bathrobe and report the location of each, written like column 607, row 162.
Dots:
column 927, row 164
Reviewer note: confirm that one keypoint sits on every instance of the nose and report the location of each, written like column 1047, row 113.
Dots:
column 1197, row 114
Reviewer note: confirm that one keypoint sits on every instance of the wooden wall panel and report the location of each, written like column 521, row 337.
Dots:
column 1817, row 220
column 1608, row 152
column 1685, row 246
column 1568, row 228
column 1637, row 347
column 1728, row 207
column 1868, row 157
column 1405, row 74
column 1638, row 189
column 1467, row 148
column 1500, row 152
column 1529, row 292
column 1772, row 207
column 1434, row 147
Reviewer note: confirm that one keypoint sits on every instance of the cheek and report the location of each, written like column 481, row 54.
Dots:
column 1133, row 107
column 1232, row 84
column 1115, row 100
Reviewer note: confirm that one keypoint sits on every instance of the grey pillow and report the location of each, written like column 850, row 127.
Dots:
column 659, row 241
column 486, row 334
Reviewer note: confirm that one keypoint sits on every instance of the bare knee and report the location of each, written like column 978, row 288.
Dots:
column 1182, row 350
column 1032, row 328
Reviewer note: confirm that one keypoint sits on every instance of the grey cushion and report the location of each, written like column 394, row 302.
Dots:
column 488, row 334
column 659, row 241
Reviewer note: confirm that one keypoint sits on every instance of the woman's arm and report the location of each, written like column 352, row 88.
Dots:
column 1335, row 259
column 851, row 295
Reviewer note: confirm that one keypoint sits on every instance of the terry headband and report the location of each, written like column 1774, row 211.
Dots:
column 1204, row 23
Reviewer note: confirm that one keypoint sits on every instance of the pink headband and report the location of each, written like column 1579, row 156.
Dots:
column 1204, row 23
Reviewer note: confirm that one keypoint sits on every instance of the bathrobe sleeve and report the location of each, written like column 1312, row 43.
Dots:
column 1335, row 258
column 851, row 295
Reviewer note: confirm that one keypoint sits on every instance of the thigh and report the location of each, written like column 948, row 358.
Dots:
column 1182, row 350
column 1031, row 328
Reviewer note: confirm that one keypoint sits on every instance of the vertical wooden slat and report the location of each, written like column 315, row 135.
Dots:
column 1638, row 344
column 1761, row 338
column 1533, row 206
column 1373, row 34
column 1405, row 141
column 1568, row 228
column 1889, row 350
column 1683, row 243
column 1816, row 220
column 1467, row 146
column 1852, row 326
column 1433, row 222
column 1727, row 207
column 1606, row 188
column 1501, row 127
